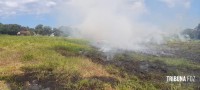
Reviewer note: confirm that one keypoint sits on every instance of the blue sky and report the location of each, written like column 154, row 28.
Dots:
column 185, row 13
column 30, row 20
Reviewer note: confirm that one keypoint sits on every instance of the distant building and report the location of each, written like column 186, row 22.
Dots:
column 24, row 33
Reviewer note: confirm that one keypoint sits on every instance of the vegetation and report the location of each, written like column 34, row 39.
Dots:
column 192, row 33
column 58, row 63
column 13, row 29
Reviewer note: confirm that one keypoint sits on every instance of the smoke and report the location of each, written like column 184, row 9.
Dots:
column 112, row 24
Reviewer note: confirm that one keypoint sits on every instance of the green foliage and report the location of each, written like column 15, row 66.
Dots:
column 66, row 31
column 47, row 30
column 13, row 29
column 10, row 29
column 193, row 33
column 43, row 30
column 57, row 32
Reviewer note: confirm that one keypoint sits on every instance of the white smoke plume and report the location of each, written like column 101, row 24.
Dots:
column 112, row 24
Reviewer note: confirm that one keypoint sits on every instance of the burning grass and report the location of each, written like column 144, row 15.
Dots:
column 72, row 64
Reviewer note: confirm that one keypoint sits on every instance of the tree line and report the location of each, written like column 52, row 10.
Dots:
column 13, row 29
column 192, row 33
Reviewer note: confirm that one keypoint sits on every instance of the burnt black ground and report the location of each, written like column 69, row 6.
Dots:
column 155, row 71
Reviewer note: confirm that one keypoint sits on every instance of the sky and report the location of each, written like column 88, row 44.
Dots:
column 165, row 13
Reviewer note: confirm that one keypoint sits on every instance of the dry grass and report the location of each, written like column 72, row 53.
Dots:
column 23, row 55
column 90, row 69
column 57, row 60
column 10, row 63
column 4, row 86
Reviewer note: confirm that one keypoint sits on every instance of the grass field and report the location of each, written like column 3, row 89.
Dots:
column 59, row 63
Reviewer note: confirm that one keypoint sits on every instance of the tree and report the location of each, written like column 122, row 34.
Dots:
column 13, row 29
column 39, row 26
column 43, row 30
column 57, row 32
column 47, row 30
column 193, row 33
column 197, row 29
column 10, row 29
column 38, row 29
column 1, row 28
column 66, row 30
column 32, row 30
